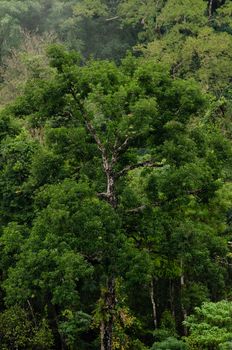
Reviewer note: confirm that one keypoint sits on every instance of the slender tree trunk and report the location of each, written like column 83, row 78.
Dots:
column 102, row 327
column 184, row 312
column 152, row 296
column 32, row 312
column 210, row 8
column 106, row 327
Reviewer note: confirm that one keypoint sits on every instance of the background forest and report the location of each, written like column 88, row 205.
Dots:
column 116, row 174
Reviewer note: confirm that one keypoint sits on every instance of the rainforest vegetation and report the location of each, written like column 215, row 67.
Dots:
column 116, row 174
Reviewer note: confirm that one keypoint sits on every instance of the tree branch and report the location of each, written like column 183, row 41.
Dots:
column 143, row 207
column 137, row 210
column 94, row 135
column 118, row 149
column 90, row 128
column 112, row 18
column 103, row 195
column 144, row 164
column 123, row 145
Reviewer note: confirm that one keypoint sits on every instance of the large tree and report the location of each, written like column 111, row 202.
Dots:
column 123, row 172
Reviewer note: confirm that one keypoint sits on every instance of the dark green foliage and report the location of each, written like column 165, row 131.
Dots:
column 16, row 153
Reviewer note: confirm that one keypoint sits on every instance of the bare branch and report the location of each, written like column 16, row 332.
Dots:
column 153, row 302
column 143, row 207
column 144, row 164
column 91, row 129
column 32, row 312
column 94, row 135
column 115, row 144
column 103, row 195
column 137, row 210
column 123, row 145
column 118, row 149
column 112, row 18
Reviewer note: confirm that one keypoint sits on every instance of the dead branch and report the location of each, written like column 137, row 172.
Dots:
column 118, row 149
column 144, row 164
column 137, row 210
column 112, row 18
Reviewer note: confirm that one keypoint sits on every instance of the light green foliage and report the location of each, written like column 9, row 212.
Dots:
column 210, row 326
column 185, row 39
column 183, row 12
column 157, row 18
column 89, row 8
column 205, row 56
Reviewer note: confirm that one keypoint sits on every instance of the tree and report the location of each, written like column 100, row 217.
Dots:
column 210, row 326
column 28, row 60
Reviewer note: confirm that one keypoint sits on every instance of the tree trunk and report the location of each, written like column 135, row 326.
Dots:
column 109, row 299
column 153, row 304
column 102, row 326
column 184, row 312
column 106, row 327
column 110, row 189
column 180, row 311
column 210, row 8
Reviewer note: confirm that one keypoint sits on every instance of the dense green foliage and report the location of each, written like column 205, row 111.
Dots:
column 211, row 326
column 115, row 175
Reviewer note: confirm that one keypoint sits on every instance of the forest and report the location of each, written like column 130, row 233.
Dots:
column 115, row 174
